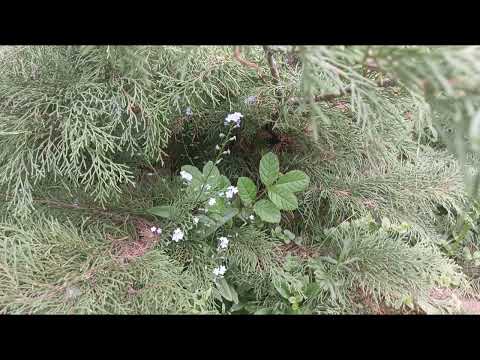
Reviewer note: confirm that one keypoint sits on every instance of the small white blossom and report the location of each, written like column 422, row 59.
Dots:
column 212, row 201
column 217, row 147
column 251, row 217
column 150, row 174
column 233, row 138
column 233, row 118
column 219, row 271
column 195, row 220
column 226, row 152
column 189, row 111
column 159, row 231
column 218, row 161
column 153, row 229
column 185, row 175
column 177, row 235
column 231, row 190
column 251, row 100
column 221, row 193
column 223, row 244
column 221, row 135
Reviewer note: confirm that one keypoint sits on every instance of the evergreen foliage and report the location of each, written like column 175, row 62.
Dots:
column 352, row 172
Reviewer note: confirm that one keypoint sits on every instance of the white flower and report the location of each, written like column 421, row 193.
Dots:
column 208, row 187
column 185, row 175
column 189, row 111
column 195, row 220
column 177, row 235
column 226, row 152
column 221, row 193
column 251, row 100
column 153, row 229
column 223, row 242
column 221, row 135
column 233, row 118
column 159, row 231
column 150, row 174
column 212, row 201
column 251, row 217
column 218, row 161
column 233, row 138
column 231, row 190
column 217, row 147
column 219, row 271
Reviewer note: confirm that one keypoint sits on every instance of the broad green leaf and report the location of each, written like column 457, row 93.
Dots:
column 211, row 174
column 223, row 182
column 164, row 211
column 267, row 211
column 283, row 199
column 282, row 289
column 247, row 190
column 293, row 181
column 192, row 170
column 215, row 221
column 210, row 170
column 289, row 234
column 269, row 169
column 227, row 291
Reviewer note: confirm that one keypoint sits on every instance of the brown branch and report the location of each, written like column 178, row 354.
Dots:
column 236, row 55
column 272, row 65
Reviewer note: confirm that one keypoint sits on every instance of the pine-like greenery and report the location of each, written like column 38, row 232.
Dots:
column 92, row 137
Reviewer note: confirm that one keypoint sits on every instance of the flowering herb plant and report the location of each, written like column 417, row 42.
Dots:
column 216, row 204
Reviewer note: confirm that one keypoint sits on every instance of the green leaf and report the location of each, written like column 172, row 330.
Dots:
column 282, row 198
column 267, row 211
column 282, row 289
column 247, row 190
column 211, row 174
column 269, row 169
column 210, row 170
column 192, row 170
column 289, row 234
column 293, row 181
column 215, row 221
column 227, row 291
column 164, row 211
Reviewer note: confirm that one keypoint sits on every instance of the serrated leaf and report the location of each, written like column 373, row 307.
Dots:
column 282, row 198
column 247, row 190
column 293, row 181
column 269, row 169
column 267, row 211
column 164, row 211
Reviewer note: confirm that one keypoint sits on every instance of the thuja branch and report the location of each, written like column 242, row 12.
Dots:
column 345, row 91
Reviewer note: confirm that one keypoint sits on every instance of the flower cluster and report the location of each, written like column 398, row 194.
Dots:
column 156, row 230
column 177, row 235
column 231, row 190
column 189, row 111
column 223, row 242
column 251, row 100
column 219, row 271
column 233, row 118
